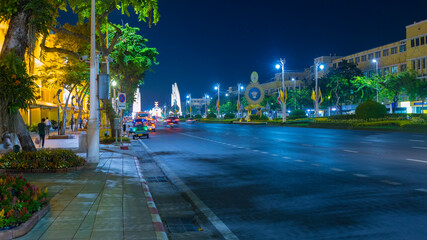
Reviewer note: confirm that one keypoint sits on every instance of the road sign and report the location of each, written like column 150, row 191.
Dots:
column 122, row 101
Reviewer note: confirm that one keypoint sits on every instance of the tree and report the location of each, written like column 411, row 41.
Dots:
column 340, row 84
column 417, row 89
column 394, row 86
column 27, row 19
column 367, row 87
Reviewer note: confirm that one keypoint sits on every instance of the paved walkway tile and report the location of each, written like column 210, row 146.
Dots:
column 100, row 202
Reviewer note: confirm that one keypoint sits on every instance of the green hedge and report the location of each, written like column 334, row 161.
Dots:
column 42, row 159
column 109, row 140
column 18, row 201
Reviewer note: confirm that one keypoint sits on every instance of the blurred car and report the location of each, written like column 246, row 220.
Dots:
column 172, row 121
column 190, row 120
column 140, row 131
column 151, row 125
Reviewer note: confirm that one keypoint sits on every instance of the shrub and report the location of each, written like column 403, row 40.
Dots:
column 42, row 159
column 343, row 117
column 371, row 109
column 198, row 116
column 255, row 117
column 19, row 200
column 297, row 113
column 32, row 128
column 229, row 116
column 109, row 140
column 211, row 116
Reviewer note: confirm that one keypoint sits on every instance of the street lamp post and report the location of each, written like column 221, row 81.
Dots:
column 376, row 71
column 239, row 87
column 316, row 102
column 282, row 65
column 217, row 106
column 206, row 104
column 189, row 102
column 93, row 125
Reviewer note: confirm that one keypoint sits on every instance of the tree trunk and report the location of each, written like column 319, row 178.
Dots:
column 16, row 41
column 64, row 115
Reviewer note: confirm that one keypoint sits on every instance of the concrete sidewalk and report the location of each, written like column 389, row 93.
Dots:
column 103, row 201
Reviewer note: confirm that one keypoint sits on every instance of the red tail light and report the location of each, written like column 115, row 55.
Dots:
column 168, row 120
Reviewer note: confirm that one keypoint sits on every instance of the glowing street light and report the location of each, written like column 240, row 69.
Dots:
column 317, row 66
column 278, row 66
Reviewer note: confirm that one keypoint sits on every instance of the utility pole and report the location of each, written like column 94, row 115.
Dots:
column 93, row 125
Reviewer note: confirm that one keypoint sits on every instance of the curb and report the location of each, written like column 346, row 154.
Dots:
column 155, row 217
column 222, row 229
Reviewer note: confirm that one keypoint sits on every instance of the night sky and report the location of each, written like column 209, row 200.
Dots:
column 202, row 42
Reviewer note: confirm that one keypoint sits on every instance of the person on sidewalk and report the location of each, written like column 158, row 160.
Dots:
column 80, row 123
column 42, row 132
column 48, row 125
column 72, row 123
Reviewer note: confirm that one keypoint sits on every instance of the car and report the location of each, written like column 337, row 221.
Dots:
column 151, row 125
column 172, row 121
column 190, row 120
column 140, row 131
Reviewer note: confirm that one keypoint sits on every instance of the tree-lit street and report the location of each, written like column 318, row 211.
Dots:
column 300, row 183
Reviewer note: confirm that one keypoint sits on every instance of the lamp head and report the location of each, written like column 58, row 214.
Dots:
column 216, row 87
column 114, row 83
column 241, row 87
column 322, row 66
column 374, row 60
column 277, row 66
column 293, row 79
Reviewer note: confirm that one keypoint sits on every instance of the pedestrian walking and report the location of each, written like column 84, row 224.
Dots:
column 48, row 125
column 72, row 123
column 42, row 132
column 80, row 123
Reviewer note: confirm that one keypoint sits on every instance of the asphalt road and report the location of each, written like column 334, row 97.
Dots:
column 301, row 183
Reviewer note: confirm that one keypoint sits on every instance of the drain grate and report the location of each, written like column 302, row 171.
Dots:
column 156, row 179
column 180, row 224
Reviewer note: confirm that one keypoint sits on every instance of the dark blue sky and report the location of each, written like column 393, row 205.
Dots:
column 202, row 42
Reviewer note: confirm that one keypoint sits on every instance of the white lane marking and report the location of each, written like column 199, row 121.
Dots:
column 274, row 155
column 316, row 164
column 421, row 190
column 390, row 182
column 416, row 160
column 299, row 160
column 337, row 170
column 256, row 137
column 350, row 151
column 307, row 145
column 416, row 140
column 360, row 175
column 286, row 157
column 255, row 150
column 248, row 149
column 264, row 152
column 425, row 148
column 240, row 147
column 364, row 142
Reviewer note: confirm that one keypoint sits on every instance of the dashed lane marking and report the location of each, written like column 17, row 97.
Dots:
column 286, row 157
column 416, row 140
column 425, row 148
column 364, row 142
column 421, row 190
column 274, row 155
column 299, row 160
column 307, row 145
column 316, row 164
column 390, row 182
column 360, row 175
column 416, row 160
column 256, row 137
column 264, row 152
column 337, row 170
column 255, row 150
column 350, row 151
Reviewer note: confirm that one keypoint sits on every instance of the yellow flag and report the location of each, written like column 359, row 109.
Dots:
column 286, row 96
column 320, row 97
column 313, row 96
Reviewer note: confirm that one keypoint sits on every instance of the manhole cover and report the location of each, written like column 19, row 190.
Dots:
column 180, row 225
column 156, row 179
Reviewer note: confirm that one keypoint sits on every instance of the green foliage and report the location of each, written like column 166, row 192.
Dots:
column 17, row 88
column 343, row 117
column 211, row 115
column 32, row 128
column 42, row 159
column 229, row 116
column 370, row 110
column 394, row 85
column 18, row 200
column 198, row 116
column 112, row 139
column 298, row 113
column 255, row 117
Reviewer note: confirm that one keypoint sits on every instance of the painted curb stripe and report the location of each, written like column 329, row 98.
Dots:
column 155, row 217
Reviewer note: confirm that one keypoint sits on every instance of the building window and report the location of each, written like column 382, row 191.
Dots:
column 351, row 60
column 424, row 63
column 379, row 71
column 417, row 42
column 412, row 43
column 422, row 41
column 357, row 59
column 394, row 69
column 419, row 64
column 393, row 50
column 403, row 67
column 377, row 54
column 364, row 58
column 413, row 64
column 402, row 48
column 335, row 65
column 370, row 56
column 385, row 52
column 386, row 71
